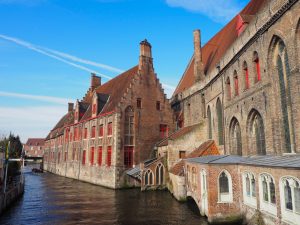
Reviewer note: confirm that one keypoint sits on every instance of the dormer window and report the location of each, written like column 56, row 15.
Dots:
column 158, row 105
column 94, row 108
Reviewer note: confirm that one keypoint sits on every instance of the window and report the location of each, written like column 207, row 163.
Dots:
column 182, row 154
column 249, row 189
column 128, row 156
column 94, row 108
column 101, row 131
column 194, row 179
column 257, row 133
column 267, row 193
column 93, row 132
column 163, row 130
column 148, row 178
column 65, row 156
column 92, row 154
column 235, row 137
column 108, row 156
column 220, row 121
column 290, row 200
column 109, row 129
column 85, row 133
column 225, row 187
column 284, row 72
column 158, row 105
column 236, row 84
column 99, row 155
column 228, row 89
column 159, row 172
column 256, row 66
column 209, row 123
column 83, row 157
column 139, row 103
column 246, row 74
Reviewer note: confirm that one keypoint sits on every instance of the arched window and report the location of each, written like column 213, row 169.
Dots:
column 220, row 121
column 257, row 132
column 249, row 189
column 225, row 187
column 228, row 89
column 236, row 83
column 209, row 120
column 246, row 75
column 235, row 137
column 267, row 193
column 282, row 64
column 129, row 137
column 203, row 108
column 256, row 67
column 148, row 178
column 159, row 174
column 290, row 202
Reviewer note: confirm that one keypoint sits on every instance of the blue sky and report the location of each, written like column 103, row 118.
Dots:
column 49, row 47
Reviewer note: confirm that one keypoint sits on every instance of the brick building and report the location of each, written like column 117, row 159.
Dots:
column 34, row 147
column 241, row 89
column 113, row 128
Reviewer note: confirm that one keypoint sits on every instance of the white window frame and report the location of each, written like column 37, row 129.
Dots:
column 290, row 216
column 249, row 200
column 228, row 197
column 264, row 205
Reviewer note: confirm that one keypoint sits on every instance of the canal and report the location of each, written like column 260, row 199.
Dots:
column 50, row 199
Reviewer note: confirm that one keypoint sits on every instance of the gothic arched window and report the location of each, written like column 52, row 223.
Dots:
column 159, row 174
column 256, row 67
column 220, row 121
column 246, row 76
column 257, row 132
column 209, row 120
column 236, row 83
column 267, row 193
column 283, row 68
column 228, row 88
column 235, row 137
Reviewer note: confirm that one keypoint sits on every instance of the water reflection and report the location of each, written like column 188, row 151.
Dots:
column 50, row 199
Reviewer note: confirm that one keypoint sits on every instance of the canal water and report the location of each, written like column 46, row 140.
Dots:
column 50, row 199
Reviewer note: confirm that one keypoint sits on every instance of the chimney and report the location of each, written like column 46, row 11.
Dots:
column 198, row 64
column 146, row 61
column 95, row 81
column 70, row 107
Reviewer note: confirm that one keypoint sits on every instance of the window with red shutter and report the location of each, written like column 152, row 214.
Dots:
column 93, row 132
column 100, row 155
column 109, row 129
column 246, row 72
column 101, row 131
column 163, row 130
column 94, row 108
column 139, row 103
column 92, row 152
column 108, row 156
column 128, row 156
column 83, row 157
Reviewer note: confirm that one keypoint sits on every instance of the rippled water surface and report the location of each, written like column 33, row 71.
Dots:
column 50, row 199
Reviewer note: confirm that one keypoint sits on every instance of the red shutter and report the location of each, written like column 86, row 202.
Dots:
column 258, row 70
column 92, row 155
column 109, row 129
column 93, row 131
column 100, row 155
column 163, row 131
column 108, row 158
column 247, row 78
column 83, row 157
column 128, row 156
column 101, row 131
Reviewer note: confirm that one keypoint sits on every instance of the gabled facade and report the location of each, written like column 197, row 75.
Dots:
column 113, row 128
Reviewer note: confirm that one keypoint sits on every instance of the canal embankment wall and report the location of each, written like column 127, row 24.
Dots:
column 14, row 192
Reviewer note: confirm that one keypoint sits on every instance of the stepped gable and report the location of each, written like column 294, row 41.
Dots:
column 216, row 47
column 111, row 93
column 205, row 149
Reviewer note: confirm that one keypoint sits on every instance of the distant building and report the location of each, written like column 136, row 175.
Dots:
column 113, row 128
column 34, row 147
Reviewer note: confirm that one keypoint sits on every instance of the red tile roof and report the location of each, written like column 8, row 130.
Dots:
column 177, row 134
column 207, row 148
column 35, row 141
column 216, row 47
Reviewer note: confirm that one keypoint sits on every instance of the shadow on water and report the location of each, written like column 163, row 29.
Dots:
column 50, row 199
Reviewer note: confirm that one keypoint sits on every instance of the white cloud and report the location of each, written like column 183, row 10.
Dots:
column 218, row 10
column 49, row 99
column 30, row 121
